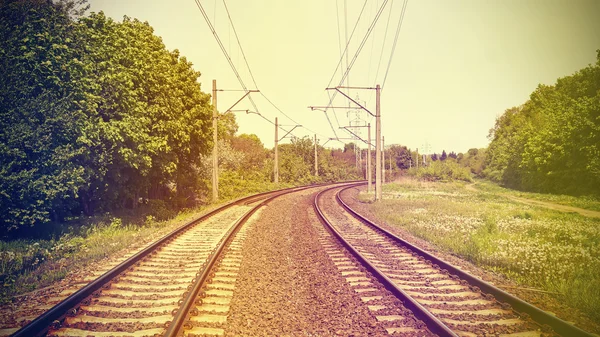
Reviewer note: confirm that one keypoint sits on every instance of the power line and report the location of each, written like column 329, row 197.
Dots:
column 340, row 62
column 347, row 44
column 384, row 39
column 212, row 28
column 372, row 48
column 239, row 44
column 337, row 16
column 229, row 58
column 347, row 40
column 369, row 30
column 395, row 41
column 252, row 75
column 382, row 49
column 283, row 113
column 243, row 54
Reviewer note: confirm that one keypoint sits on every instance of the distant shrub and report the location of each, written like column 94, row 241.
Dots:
column 446, row 170
column 159, row 210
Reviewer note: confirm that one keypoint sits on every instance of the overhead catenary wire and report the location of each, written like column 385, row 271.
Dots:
column 213, row 30
column 243, row 54
column 359, row 49
column 235, row 71
column 283, row 113
column 372, row 48
column 382, row 49
column 400, row 21
column 337, row 16
column 384, row 39
column 252, row 75
column 340, row 63
column 347, row 40
column 347, row 43
column 369, row 30
column 240, row 44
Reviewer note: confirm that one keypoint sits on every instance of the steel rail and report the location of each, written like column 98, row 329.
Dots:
column 432, row 322
column 181, row 318
column 541, row 317
column 54, row 316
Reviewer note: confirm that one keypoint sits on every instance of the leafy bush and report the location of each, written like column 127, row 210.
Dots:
column 158, row 210
column 550, row 144
column 446, row 170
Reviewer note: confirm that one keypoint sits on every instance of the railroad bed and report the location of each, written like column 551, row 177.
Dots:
column 156, row 290
column 450, row 301
column 303, row 265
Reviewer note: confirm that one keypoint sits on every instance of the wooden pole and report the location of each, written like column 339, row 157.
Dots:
column 276, row 164
column 316, row 159
column 215, row 175
column 378, row 193
column 369, row 174
column 383, row 158
column 418, row 159
column 391, row 167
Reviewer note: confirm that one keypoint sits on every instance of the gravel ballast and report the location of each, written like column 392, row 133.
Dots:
column 288, row 286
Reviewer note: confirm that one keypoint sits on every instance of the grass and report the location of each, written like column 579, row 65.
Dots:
column 29, row 264
column 586, row 202
column 51, row 251
column 26, row 265
column 534, row 246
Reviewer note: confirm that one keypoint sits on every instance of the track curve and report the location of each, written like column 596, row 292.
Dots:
column 142, row 295
column 450, row 301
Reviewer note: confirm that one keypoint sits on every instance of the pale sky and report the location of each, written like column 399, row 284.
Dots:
column 457, row 64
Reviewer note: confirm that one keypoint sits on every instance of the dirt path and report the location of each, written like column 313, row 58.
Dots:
column 550, row 205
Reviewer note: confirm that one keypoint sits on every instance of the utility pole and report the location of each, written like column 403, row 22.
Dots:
column 356, row 155
column 215, row 175
column 316, row 162
column 276, row 165
column 378, row 193
column 366, row 170
column 369, row 174
column 377, row 115
column 215, row 154
column 391, row 168
column 417, row 159
column 383, row 157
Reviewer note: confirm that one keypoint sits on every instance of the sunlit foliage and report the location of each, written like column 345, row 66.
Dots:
column 552, row 142
column 94, row 115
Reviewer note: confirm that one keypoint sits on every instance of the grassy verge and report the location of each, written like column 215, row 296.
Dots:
column 534, row 246
column 586, row 202
column 26, row 265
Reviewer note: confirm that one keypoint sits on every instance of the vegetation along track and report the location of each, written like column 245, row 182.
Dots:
column 154, row 292
column 448, row 300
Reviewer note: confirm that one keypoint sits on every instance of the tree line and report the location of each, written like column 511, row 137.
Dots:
column 551, row 143
column 96, row 115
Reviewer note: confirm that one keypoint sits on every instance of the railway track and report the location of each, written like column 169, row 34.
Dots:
column 390, row 313
column 181, row 284
column 448, row 300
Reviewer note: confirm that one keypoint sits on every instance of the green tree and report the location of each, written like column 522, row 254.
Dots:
column 94, row 114
column 253, row 150
column 42, row 113
column 402, row 156
column 474, row 160
column 550, row 143
column 152, row 122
